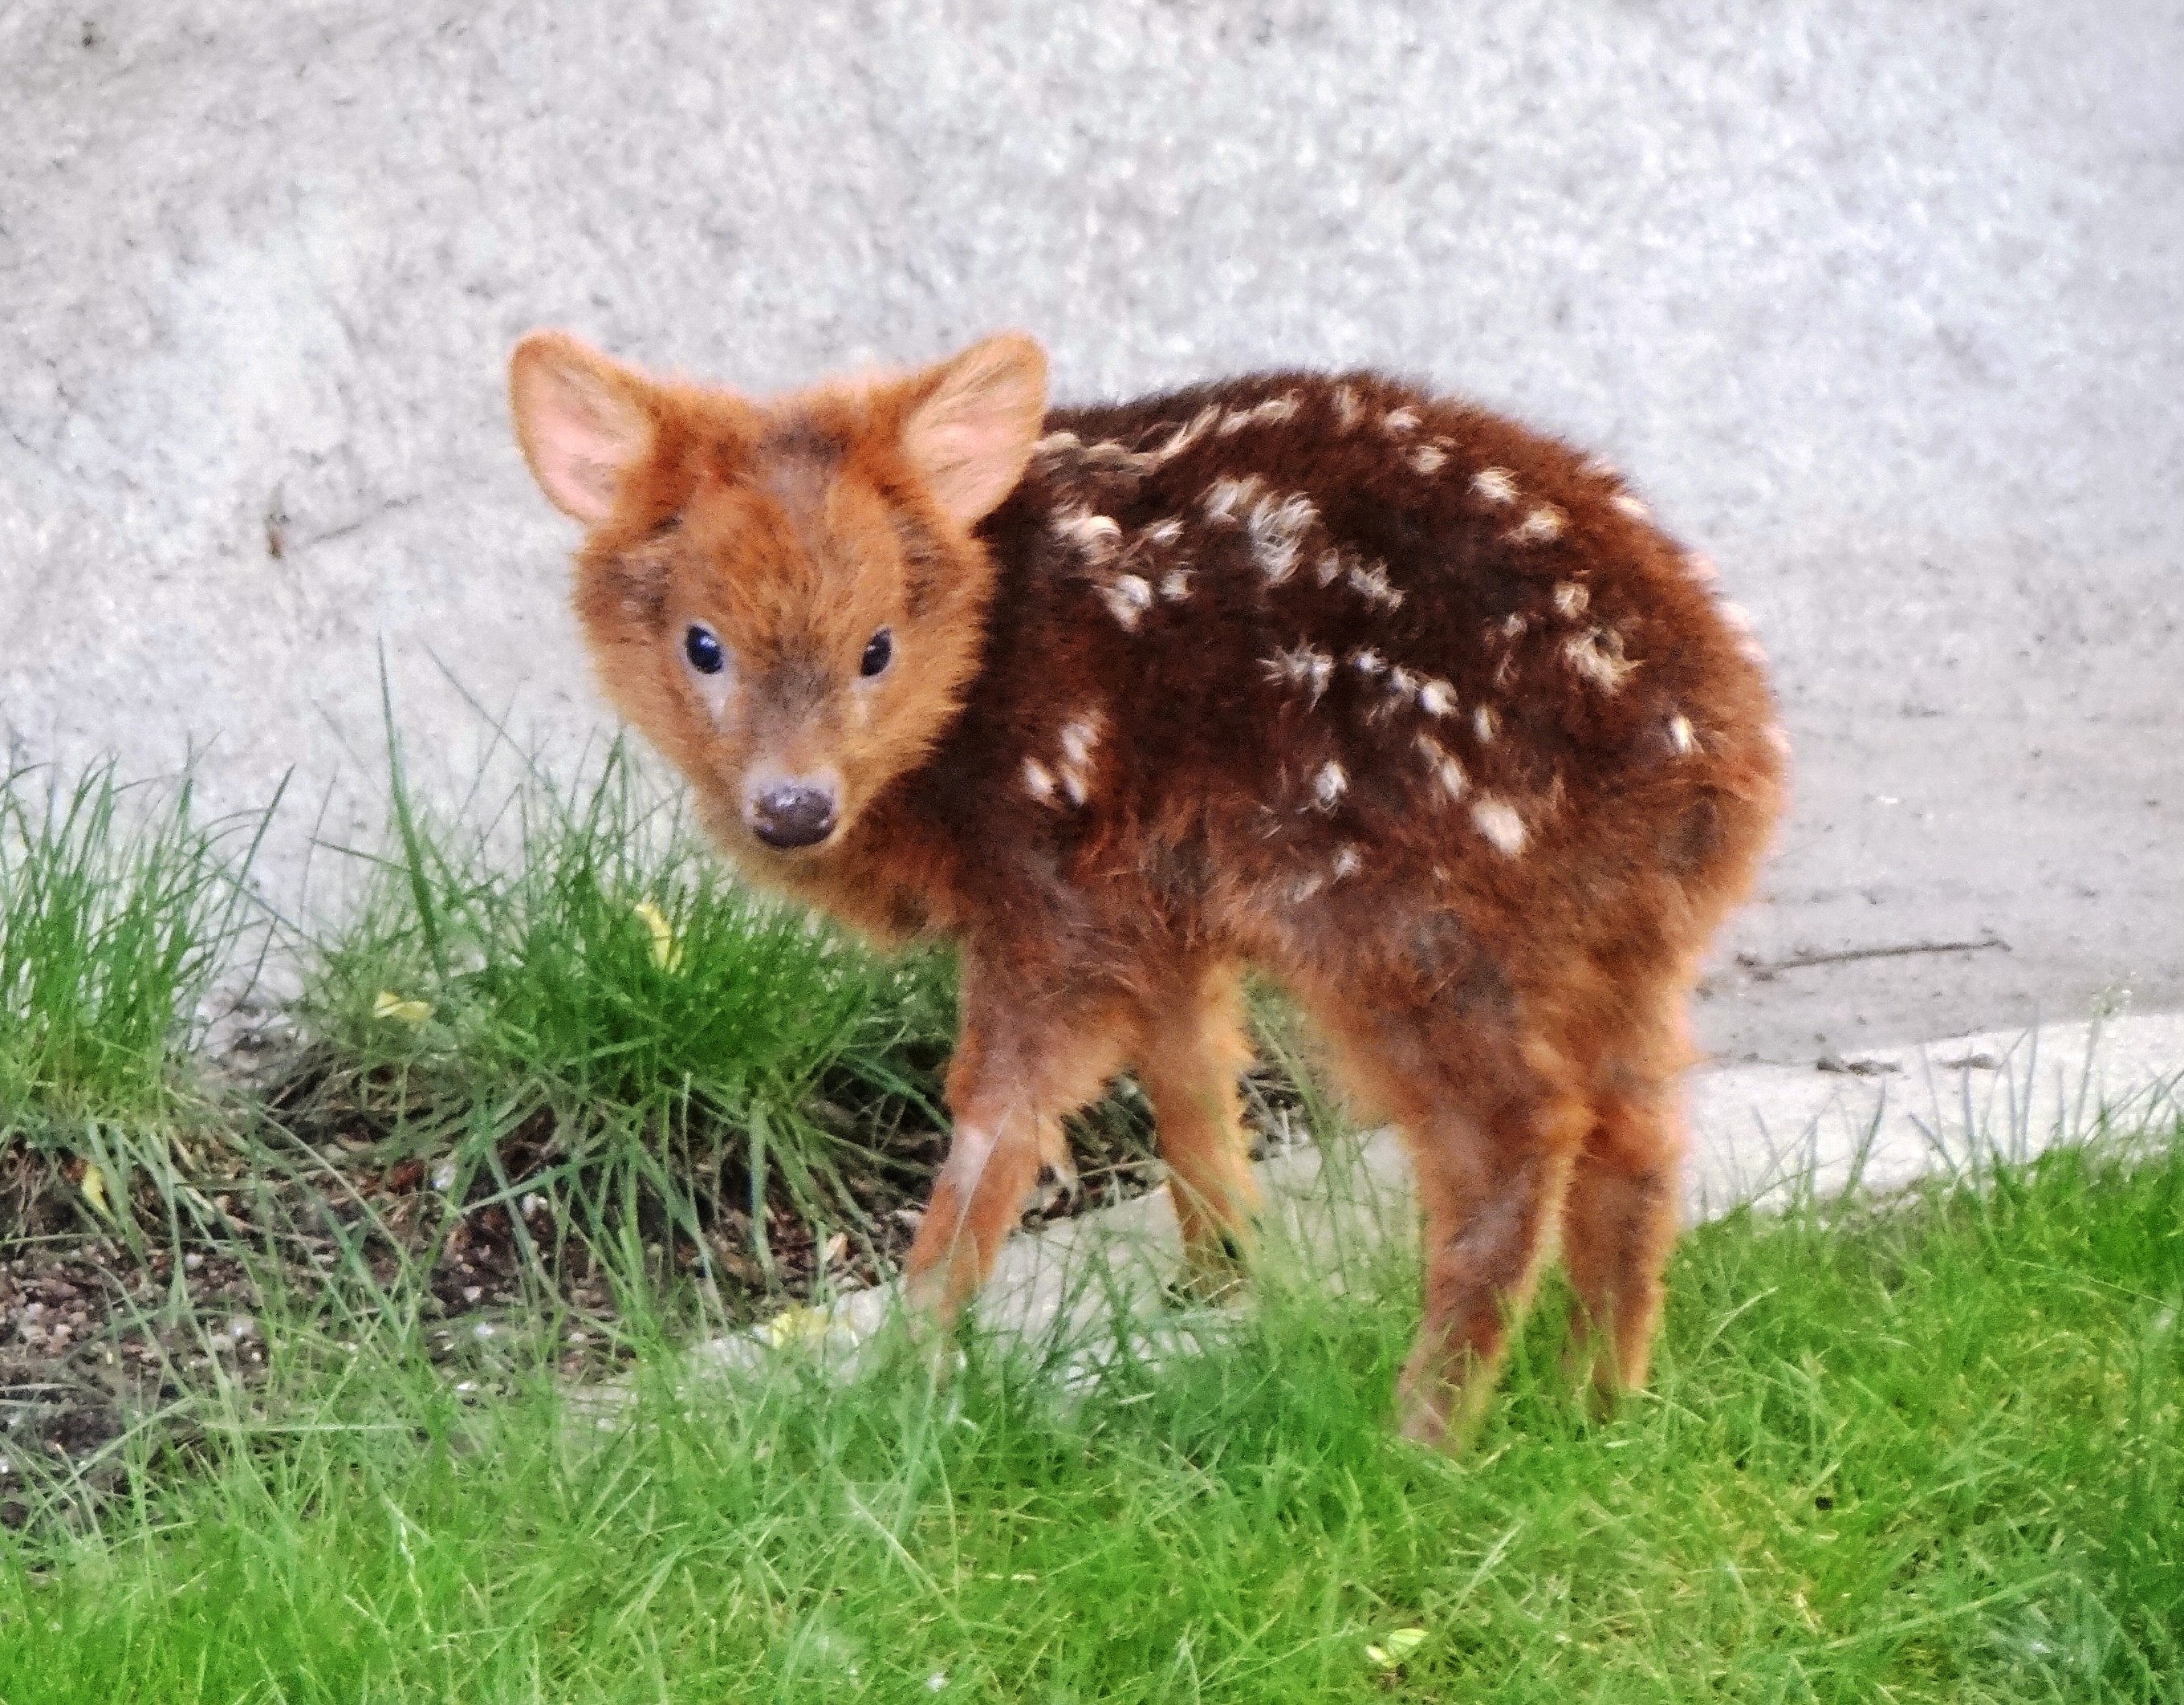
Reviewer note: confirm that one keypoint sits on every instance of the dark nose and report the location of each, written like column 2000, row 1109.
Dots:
column 793, row 815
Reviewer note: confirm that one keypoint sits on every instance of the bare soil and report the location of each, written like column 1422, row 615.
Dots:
column 103, row 1334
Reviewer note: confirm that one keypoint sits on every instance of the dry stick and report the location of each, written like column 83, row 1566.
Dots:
column 1799, row 962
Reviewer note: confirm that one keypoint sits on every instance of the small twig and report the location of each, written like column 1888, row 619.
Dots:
column 1763, row 968
column 332, row 533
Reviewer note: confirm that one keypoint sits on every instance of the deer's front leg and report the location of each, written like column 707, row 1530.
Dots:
column 1025, row 1058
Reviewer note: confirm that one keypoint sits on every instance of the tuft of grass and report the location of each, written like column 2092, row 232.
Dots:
column 1929, row 1451
column 568, row 996
column 119, row 911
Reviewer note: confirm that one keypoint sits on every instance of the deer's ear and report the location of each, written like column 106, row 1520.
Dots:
column 971, row 433
column 582, row 418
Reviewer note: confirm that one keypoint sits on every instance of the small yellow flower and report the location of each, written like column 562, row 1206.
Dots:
column 389, row 1004
column 666, row 952
column 1397, row 1646
column 796, row 1326
column 94, row 1187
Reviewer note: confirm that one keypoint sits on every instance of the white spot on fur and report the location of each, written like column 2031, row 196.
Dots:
column 1512, row 626
column 1369, row 580
column 1447, row 773
column 1275, row 530
column 1347, row 407
column 1304, row 887
column 1329, row 784
column 1185, row 436
column 1366, row 661
column 1496, row 486
column 1175, row 585
column 1483, row 726
column 1164, row 532
column 1055, row 443
column 1597, row 655
column 1127, row 596
column 1330, row 567
column 1631, row 506
column 1268, row 413
column 1080, row 736
column 1437, row 698
column 1347, row 863
column 1779, row 740
column 1497, row 819
column 1570, row 599
column 1543, row 525
column 1398, row 421
column 1039, row 781
column 1681, row 737
column 1427, row 459
column 1223, row 496
column 1302, row 665
column 1115, row 456
column 1400, row 689
column 1095, row 535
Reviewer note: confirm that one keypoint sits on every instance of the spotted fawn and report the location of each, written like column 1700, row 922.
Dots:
column 1412, row 708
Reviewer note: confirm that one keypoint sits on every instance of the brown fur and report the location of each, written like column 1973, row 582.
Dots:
column 1425, row 719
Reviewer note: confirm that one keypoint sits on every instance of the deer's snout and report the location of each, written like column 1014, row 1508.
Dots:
column 798, row 812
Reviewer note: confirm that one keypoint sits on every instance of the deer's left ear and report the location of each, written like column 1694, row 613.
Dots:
column 972, row 433
column 582, row 420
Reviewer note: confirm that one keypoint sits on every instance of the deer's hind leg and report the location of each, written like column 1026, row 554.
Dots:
column 1189, row 1062
column 1493, row 1121
column 1620, row 1219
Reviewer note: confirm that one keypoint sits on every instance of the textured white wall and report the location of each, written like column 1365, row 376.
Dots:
column 1882, row 304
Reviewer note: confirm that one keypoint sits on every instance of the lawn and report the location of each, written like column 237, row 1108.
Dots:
column 1931, row 1451
column 1931, row 1448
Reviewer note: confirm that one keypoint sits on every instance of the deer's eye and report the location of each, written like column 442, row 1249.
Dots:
column 878, row 650
column 702, row 648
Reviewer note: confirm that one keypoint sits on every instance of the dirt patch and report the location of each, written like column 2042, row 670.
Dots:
column 102, row 1335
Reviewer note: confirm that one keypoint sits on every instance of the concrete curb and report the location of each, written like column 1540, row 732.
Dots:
column 1764, row 1135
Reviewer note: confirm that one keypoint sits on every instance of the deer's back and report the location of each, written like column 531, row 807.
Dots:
column 1303, row 661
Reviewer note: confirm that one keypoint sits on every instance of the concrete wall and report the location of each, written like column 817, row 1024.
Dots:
column 1881, row 303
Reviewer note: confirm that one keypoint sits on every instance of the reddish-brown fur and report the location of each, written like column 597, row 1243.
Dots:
column 1424, row 717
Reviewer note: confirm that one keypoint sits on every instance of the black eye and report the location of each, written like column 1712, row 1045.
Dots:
column 878, row 650
column 704, row 650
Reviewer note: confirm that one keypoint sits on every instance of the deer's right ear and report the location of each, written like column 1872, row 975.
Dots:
column 582, row 420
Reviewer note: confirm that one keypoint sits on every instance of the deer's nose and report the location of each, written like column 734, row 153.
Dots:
column 792, row 814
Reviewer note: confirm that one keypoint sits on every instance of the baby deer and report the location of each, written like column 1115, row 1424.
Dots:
column 1403, row 704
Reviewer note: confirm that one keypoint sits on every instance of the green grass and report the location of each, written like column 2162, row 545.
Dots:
column 1933, row 1452
column 566, row 993
column 117, row 911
